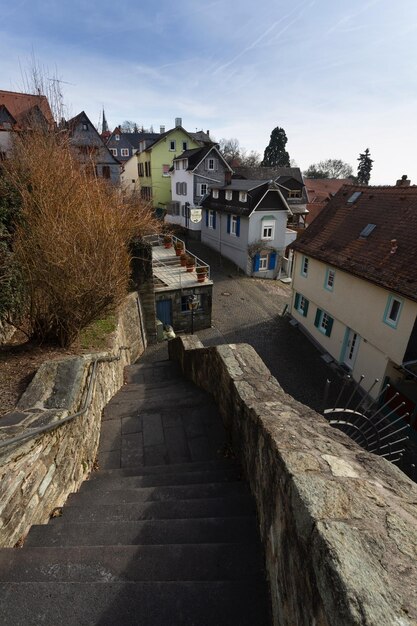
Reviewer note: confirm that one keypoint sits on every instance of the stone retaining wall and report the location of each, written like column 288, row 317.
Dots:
column 38, row 474
column 339, row 525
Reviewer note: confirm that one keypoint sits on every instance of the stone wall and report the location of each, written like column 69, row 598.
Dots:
column 38, row 474
column 181, row 320
column 6, row 332
column 339, row 525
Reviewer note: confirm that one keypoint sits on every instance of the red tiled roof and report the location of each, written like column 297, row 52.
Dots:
column 319, row 192
column 334, row 236
column 21, row 104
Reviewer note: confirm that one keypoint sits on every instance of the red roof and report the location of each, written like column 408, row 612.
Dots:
column 319, row 192
column 387, row 256
column 21, row 105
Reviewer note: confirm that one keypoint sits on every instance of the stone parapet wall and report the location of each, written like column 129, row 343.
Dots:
column 38, row 474
column 338, row 524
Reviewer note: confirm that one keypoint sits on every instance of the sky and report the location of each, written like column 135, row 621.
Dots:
column 338, row 75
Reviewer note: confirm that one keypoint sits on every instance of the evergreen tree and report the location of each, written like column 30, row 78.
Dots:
column 275, row 154
column 364, row 167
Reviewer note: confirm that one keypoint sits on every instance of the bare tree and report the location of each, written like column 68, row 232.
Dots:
column 330, row 168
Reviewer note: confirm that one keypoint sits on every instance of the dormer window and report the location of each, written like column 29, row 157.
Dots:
column 243, row 196
column 294, row 193
column 228, row 194
column 184, row 164
column 215, row 194
column 177, row 165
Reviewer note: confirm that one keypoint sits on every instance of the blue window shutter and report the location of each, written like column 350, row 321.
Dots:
column 238, row 227
column 306, row 303
column 272, row 260
column 297, row 300
column 228, row 223
column 329, row 327
column 207, row 217
column 214, row 219
column 256, row 261
column 318, row 316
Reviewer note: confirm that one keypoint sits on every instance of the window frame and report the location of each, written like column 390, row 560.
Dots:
column 113, row 151
column 215, row 194
column 211, row 219
column 228, row 194
column 263, row 262
column 243, row 196
column 304, row 266
column 329, row 273
column 233, row 225
column 200, row 189
column 213, row 167
column 184, row 146
column 393, row 323
column 268, row 225
column 124, row 152
column 172, row 145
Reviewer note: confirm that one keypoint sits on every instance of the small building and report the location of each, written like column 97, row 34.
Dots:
column 19, row 112
column 355, row 285
column 246, row 221
column 90, row 149
column 193, row 174
column 183, row 296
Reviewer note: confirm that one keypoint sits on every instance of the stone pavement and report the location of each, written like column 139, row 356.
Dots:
column 248, row 310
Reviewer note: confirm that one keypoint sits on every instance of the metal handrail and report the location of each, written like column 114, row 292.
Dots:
column 44, row 429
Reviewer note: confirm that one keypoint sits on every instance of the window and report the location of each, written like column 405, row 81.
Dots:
column 147, row 168
column 268, row 228
column 85, row 126
column 263, row 262
column 184, row 145
column 301, row 304
column 215, row 193
column 172, row 145
column 211, row 219
column 181, row 189
column 211, row 164
column 304, row 266
column 233, row 227
column 228, row 194
column 113, row 151
column 324, row 322
column 185, row 303
column 202, row 189
column 393, row 311
column 243, row 196
column 117, row 137
column 329, row 281
column 184, row 164
column 146, row 193
column 177, row 165
column 124, row 152
column 294, row 193
column 165, row 170
column 140, row 169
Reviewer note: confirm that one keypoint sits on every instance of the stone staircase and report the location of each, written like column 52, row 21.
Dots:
column 164, row 534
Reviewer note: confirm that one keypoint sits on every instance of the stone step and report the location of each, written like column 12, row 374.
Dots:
column 154, row 532
column 226, row 603
column 132, row 563
column 231, row 506
column 164, row 493
column 109, row 482
column 172, row 468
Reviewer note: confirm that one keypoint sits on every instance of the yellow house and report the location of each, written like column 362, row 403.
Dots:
column 354, row 284
column 149, row 169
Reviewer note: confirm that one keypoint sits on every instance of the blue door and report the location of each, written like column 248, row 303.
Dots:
column 164, row 311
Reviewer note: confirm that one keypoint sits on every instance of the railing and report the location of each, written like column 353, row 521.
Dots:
column 157, row 239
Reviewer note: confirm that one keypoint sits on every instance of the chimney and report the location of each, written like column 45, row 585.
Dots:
column 403, row 182
column 162, row 129
column 208, row 133
column 178, row 121
column 228, row 178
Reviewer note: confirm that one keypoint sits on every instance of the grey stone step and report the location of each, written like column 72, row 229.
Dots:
column 227, row 603
column 108, row 481
column 231, row 506
column 172, row 468
column 132, row 563
column 158, row 494
column 172, row 531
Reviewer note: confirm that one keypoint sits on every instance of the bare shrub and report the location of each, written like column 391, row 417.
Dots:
column 72, row 242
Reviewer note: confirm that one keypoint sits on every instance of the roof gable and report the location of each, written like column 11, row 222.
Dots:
column 20, row 106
